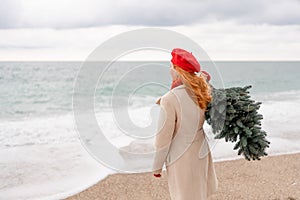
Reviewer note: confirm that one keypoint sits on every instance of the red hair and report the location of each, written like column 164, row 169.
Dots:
column 198, row 88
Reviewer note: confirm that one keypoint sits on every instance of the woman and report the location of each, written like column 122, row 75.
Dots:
column 181, row 142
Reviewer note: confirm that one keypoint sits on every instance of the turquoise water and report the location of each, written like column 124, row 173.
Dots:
column 45, row 88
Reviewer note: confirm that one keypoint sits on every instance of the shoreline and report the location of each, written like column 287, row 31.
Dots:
column 273, row 177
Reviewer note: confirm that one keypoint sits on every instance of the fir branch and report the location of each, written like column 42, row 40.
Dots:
column 234, row 116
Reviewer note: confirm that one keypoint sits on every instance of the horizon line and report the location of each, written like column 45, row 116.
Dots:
column 148, row 61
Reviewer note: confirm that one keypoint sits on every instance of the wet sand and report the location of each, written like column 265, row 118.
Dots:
column 273, row 177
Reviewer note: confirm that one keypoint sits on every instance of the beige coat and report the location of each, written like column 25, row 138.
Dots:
column 181, row 144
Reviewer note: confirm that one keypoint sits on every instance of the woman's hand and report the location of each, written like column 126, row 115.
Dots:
column 157, row 175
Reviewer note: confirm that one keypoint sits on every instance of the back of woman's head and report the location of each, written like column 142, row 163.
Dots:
column 197, row 87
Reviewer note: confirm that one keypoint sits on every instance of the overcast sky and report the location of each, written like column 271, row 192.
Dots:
column 226, row 30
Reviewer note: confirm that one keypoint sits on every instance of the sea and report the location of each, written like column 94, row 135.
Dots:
column 41, row 155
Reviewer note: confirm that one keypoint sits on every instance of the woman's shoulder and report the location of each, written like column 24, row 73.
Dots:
column 168, row 96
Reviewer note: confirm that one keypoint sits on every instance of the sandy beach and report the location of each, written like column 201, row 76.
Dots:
column 273, row 177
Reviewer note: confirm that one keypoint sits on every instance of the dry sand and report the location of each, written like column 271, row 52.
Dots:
column 273, row 177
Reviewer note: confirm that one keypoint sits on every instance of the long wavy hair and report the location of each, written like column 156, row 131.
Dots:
column 197, row 87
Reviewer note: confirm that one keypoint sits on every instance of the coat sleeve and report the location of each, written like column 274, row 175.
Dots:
column 165, row 132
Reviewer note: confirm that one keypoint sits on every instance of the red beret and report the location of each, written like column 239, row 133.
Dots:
column 185, row 60
column 207, row 74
